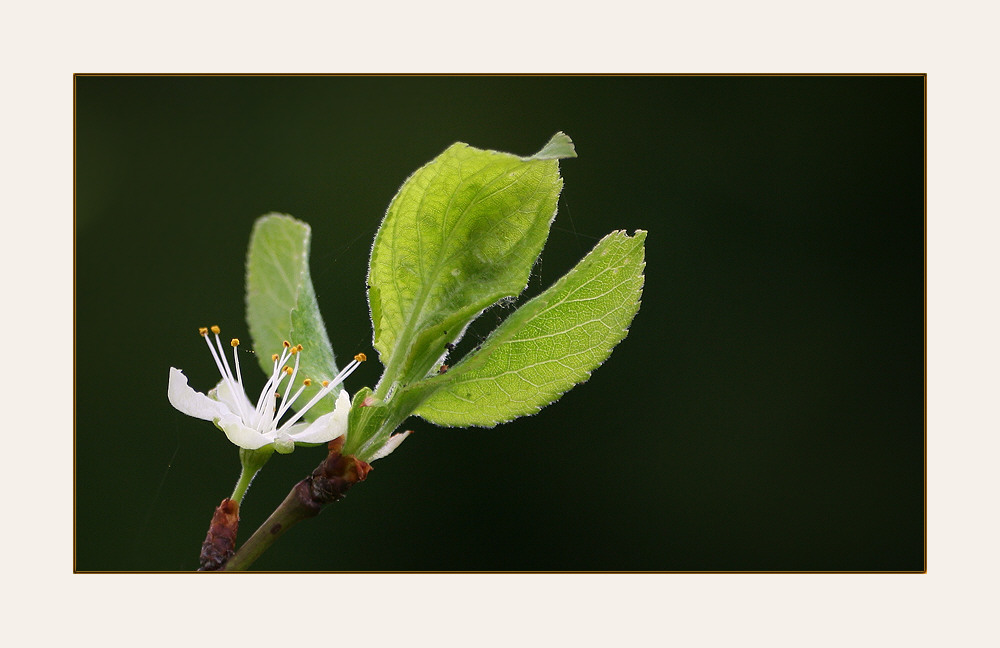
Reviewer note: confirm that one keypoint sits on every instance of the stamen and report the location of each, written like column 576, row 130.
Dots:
column 236, row 360
column 267, row 386
column 222, row 355
column 276, row 376
column 228, row 374
column 214, row 356
column 307, row 382
column 286, row 344
column 272, row 382
column 361, row 357
column 346, row 371
column 328, row 385
column 202, row 331
column 269, row 416
column 223, row 369
column 288, row 402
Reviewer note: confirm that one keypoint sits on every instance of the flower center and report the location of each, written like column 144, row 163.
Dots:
column 264, row 417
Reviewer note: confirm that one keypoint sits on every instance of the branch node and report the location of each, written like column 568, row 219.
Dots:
column 328, row 483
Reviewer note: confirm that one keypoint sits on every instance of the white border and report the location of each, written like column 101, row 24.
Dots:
column 954, row 44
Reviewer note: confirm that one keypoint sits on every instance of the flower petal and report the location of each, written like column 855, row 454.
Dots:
column 390, row 445
column 342, row 410
column 327, row 427
column 237, row 403
column 240, row 434
column 190, row 402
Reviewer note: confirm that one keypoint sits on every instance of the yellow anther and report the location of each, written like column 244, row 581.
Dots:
column 361, row 357
column 326, row 383
column 288, row 370
column 307, row 382
column 274, row 357
column 286, row 344
column 216, row 330
column 202, row 331
column 299, row 347
column 293, row 350
column 234, row 342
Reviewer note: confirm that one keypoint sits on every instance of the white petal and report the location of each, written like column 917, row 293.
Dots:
column 235, row 402
column 325, row 428
column 390, row 445
column 296, row 429
column 240, row 434
column 342, row 410
column 191, row 402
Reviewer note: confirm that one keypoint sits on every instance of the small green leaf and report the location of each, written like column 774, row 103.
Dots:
column 372, row 422
column 364, row 422
column 560, row 146
column 281, row 304
column 462, row 233
column 548, row 345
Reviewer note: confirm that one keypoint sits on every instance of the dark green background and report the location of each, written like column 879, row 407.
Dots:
column 765, row 412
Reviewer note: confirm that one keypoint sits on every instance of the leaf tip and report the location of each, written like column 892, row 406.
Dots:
column 558, row 147
column 278, row 219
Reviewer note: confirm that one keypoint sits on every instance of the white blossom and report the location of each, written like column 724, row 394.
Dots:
column 256, row 425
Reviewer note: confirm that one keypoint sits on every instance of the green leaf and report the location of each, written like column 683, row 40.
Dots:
column 548, row 345
column 371, row 422
column 281, row 304
column 364, row 423
column 462, row 233
column 560, row 146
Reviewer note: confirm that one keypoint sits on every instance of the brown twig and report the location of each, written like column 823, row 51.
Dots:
column 328, row 483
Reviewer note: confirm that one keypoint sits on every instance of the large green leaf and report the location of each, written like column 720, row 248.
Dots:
column 281, row 304
column 462, row 233
column 548, row 345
